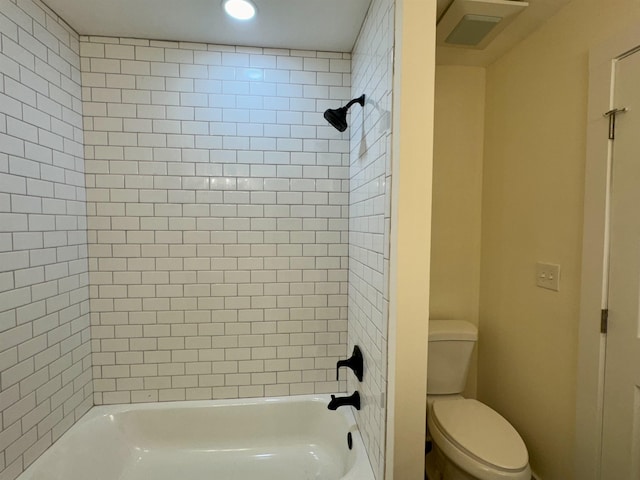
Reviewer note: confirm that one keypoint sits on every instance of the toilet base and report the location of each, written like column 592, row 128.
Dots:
column 438, row 467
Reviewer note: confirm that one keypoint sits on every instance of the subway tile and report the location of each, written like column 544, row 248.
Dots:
column 50, row 102
column 134, row 67
column 149, row 54
column 110, row 51
column 206, row 58
column 195, row 226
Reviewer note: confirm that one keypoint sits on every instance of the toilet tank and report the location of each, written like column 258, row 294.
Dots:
column 451, row 343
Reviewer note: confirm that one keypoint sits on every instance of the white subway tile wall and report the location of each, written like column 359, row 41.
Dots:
column 217, row 200
column 45, row 350
column 369, row 221
column 219, row 209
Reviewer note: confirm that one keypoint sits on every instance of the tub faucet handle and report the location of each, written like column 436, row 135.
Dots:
column 355, row 363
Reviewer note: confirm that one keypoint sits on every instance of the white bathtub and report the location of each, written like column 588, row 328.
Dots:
column 287, row 438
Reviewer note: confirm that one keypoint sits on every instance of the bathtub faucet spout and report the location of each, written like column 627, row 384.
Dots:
column 353, row 400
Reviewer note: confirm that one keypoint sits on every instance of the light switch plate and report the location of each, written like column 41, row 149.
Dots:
column 548, row 276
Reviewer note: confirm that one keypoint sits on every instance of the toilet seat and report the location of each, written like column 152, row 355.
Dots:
column 478, row 440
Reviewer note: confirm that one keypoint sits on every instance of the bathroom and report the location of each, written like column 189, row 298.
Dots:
column 509, row 183
column 523, row 372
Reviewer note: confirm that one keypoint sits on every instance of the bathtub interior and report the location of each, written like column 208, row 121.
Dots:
column 270, row 439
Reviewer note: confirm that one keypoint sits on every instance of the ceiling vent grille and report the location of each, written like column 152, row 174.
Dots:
column 475, row 23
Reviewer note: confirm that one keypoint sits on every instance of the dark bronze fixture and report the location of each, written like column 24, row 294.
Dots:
column 352, row 400
column 355, row 363
column 338, row 117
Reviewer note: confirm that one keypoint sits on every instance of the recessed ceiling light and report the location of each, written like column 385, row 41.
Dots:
column 240, row 9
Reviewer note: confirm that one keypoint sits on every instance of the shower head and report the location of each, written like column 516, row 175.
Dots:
column 338, row 117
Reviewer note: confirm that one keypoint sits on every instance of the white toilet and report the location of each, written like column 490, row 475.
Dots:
column 470, row 441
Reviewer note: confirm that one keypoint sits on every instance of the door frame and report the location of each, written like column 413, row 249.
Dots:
column 591, row 343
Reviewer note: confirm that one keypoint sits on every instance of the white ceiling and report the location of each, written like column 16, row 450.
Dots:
column 326, row 25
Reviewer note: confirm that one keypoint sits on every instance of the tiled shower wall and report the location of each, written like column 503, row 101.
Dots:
column 45, row 374
column 218, row 219
column 218, row 203
column 369, row 221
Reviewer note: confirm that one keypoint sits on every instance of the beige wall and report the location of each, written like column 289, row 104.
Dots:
column 532, row 210
column 414, row 69
column 457, row 196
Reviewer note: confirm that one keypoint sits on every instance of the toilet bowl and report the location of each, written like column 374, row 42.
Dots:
column 470, row 441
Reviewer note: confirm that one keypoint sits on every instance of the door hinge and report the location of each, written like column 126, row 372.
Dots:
column 611, row 114
column 604, row 320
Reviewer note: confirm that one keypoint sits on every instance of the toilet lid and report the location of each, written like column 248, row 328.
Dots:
column 481, row 432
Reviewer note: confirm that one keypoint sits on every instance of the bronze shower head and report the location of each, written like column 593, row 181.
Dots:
column 338, row 117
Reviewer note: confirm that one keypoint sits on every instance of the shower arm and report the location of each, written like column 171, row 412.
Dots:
column 359, row 100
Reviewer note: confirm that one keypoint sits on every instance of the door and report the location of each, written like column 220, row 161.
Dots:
column 621, row 418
